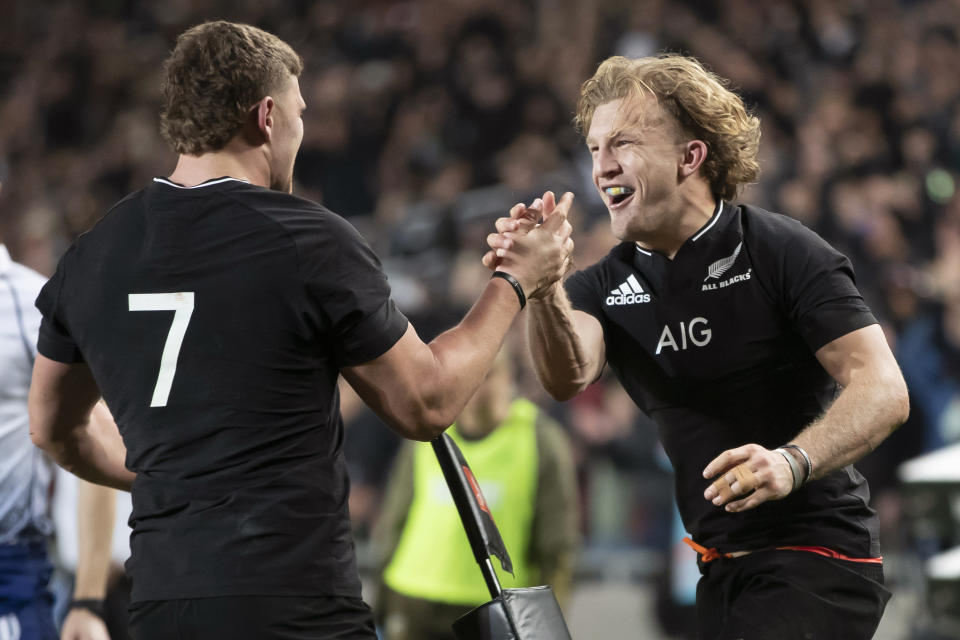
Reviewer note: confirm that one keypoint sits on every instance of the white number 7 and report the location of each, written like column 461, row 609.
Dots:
column 181, row 304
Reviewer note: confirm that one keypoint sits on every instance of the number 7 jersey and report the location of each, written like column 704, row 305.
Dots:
column 215, row 320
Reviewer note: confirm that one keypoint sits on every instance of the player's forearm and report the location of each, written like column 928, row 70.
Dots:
column 91, row 448
column 562, row 364
column 861, row 417
column 70, row 423
column 96, row 509
column 464, row 354
column 419, row 389
column 86, row 457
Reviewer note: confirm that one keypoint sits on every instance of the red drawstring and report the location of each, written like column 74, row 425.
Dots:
column 709, row 555
column 706, row 555
column 830, row 553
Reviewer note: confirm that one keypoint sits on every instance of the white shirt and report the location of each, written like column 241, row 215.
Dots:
column 25, row 473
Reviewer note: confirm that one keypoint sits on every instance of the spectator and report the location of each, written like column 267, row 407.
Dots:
column 523, row 462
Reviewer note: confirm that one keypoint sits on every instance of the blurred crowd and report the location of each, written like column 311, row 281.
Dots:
column 426, row 119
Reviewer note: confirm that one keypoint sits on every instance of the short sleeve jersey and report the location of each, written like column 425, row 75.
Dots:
column 215, row 320
column 718, row 347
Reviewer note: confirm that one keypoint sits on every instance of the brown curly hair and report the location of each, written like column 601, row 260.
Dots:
column 215, row 74
column 699, row 101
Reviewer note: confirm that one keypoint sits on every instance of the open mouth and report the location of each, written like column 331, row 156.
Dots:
column 618, row 195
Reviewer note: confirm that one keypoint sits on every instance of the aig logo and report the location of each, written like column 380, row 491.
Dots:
column 697, row 331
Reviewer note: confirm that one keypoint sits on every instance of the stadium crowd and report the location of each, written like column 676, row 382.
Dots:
column 427, row 119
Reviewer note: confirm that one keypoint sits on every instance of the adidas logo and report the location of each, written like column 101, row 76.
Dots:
column 630, row 292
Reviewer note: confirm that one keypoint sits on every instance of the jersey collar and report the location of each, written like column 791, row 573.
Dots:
column 659, row 271
column 710, row 223
column 717, row 212
column 207, row 183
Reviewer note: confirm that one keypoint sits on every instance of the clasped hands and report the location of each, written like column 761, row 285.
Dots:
column 533, row 243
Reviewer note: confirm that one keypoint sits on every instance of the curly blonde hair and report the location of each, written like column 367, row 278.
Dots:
column 698, row 100
column 215, row 74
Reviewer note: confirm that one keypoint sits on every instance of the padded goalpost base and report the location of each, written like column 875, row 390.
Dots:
column 518, row 614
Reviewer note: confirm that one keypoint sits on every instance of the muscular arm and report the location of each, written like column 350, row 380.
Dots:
column 567, row 345
column 67, row 422
column 419, row 389
column 872, row 404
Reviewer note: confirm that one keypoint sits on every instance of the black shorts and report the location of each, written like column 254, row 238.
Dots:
column 782, row 595
column 252, row 618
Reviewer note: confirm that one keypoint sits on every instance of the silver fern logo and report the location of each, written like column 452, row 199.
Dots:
column 722, row 265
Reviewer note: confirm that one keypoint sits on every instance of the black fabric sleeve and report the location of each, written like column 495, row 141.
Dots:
column 347, row 287
column 586, row 293
column 54, row 341
column 817, row 289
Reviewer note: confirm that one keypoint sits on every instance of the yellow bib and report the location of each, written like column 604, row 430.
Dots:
column 433, row 560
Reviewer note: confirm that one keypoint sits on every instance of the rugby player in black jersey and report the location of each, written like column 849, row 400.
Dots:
column 214, row 311
column 742, row 334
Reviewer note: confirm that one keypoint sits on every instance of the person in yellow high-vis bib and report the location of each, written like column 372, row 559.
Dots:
column 523, row 462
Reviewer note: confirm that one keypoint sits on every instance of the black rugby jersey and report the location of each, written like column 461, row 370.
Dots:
column 215, row 320
column 717, row 347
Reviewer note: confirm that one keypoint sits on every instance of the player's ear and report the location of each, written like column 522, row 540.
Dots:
column 265, row 112
column 694, row 155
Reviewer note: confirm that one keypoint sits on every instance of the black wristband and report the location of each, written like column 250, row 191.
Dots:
column 93, row 605
column 513, row 283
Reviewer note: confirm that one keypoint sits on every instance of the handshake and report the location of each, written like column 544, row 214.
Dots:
column 533, row 244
